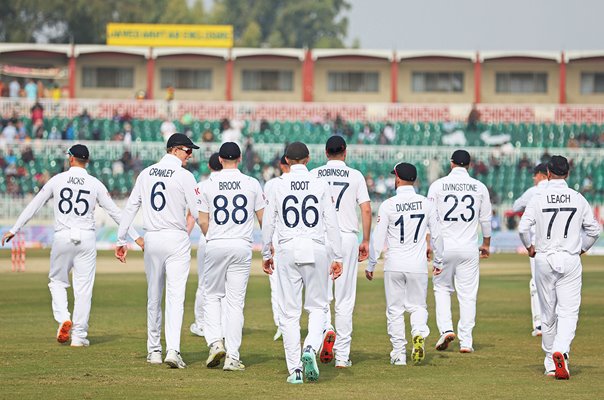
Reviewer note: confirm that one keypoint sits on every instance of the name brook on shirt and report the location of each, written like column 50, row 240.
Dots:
column 416, row 205
column 558, row 198
column 163, row 173
column 333, row 172
column 235, row 185
column 460, row 187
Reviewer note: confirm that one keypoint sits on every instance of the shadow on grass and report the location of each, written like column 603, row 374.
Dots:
column 103, row 339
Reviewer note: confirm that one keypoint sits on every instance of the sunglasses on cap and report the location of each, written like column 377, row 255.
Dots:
column 187, row 150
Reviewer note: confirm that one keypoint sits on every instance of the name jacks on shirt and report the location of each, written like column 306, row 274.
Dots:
column 75, row 180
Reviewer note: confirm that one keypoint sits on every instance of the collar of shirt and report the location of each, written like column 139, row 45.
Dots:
column 78, row 170
column 405, row 190
column 336, row 163
column 229, row 171
column 459, row 171
column 297, row 168
column 172, row 159
column 557, row 183
column 543, row 183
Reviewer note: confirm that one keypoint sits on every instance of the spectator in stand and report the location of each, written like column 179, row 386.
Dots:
column 167, row 129
column 56, row 93
column 495, row 199
column 587, row 186
column 27, row 154
column 545, row 157
column 480, row 169
column 21, row 131
column 187, row 122
column 126, row 160
column 388, row 134
column 55, row 134
column 572, row 143
column 41, row 89
column 14, row 88
column 170, row 93
column 85, row 118
column 367, row 135
column 264, row 125
column 96, row 134
column 69, row 132
column 31, row 90
column 38, row 130
column 473, row 119
column 525, row 163
column 125, row 117
column 381, row 188
column 494, row 162
column 224, row 124
column 9, row 133
column 37, row 113
column 233, row 134
column 2, row 88
column 207, row 136
column 435, row 170
column 495, row 222
column 116, row 116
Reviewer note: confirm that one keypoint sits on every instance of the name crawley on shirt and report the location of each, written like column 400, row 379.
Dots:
column 333, row 172
column 460, row 187
column 163, row 173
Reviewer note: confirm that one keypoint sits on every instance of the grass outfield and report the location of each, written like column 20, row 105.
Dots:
column 507, row 363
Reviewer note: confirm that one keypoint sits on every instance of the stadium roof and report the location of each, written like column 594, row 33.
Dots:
column 172, row 51
column 254, row 52
column 545, row 55
column 64, row 49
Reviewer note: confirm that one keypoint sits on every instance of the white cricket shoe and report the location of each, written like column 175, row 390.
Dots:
column 196, row 330
column 217, row 353
column 536, row 332
column 399, row 359
column 278, row 335
column 79, row 342
column 343, row 364
column 230, row 364
column 154, row 357
column 444, row 340
column 296, row 377
column 174, row 360
column 466, row 350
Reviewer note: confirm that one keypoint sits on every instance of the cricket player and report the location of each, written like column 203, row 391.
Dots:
column 402, row 224
column 197, row 326
column 302, row 212
column 227, row 209
column 349, row 190
column 268, row 187
column 165, row 191
column 462, row 204
column 75, row 194
column 540, row 180
column 565, row 228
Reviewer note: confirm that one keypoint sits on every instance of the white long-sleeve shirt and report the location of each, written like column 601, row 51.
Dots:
column 200, row 185
column 349, row 190
column 231, row 199
column 301, row 206
column 164, row 191
column 521, row 203
column 462, row 203
column 402, row 224
column 561, row 216
column 75, row 194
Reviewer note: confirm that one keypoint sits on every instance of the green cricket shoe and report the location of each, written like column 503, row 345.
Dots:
column 309, row 360
column 295, row 377
column 418, row 353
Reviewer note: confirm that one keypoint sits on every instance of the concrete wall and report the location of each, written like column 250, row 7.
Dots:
column 216, row 65
column 139, row 64
column 408, row 67
column 276, row 63
column 573, row 81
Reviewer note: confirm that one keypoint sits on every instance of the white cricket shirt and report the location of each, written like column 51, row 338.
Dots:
column 231, row 199
column 521, row 203
column 561, row 216
column 462, row 202
column 402, row 224
column 301, row 206
column 75, row 194
column 348, row 189
column 200, row 186
column 164, row 191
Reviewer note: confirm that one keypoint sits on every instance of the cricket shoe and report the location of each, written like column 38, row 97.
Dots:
column 79, row 342
column 277, row 335
column 217, row 353
column 550, row 373
column 296, row 377
column 154, row 357
column 174, row 360
column 444, row 340
column 196, row 330
column 418, row 353
column 64, row 331
column 561, row 364
column 230, row 364
column 400, row 359
column 309, row 361
column 466, row 350
column 536, row 332
column 329, row 339
column 343, row 364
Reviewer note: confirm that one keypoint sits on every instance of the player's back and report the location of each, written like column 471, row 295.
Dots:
column 231, row 199
column 462, row 202
column 162, row 194
column 348, row 189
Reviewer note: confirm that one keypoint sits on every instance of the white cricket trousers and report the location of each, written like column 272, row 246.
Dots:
column 292, row 277
column 227, row 270
column 167, row 263
column 459, row 274
column 80, row 259
column 199, row 294
column 345, row 296
column 560, row 298
column 405, row 291
column 272, row 278
column 535, row 307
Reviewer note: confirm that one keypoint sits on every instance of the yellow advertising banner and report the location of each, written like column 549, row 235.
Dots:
column 156, row 35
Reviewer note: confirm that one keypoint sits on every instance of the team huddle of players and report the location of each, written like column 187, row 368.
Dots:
column 310, row 232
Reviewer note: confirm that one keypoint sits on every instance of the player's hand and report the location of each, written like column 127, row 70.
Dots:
column 429, row 253
column 7, row 237
column 141, row 243
column 485, row 252
column 120, row 253
column 531, row 251
column 369, row 275
column 363, row 250
column 335, row 270
column 268, row 267
column 436, row 270
column 272, row 250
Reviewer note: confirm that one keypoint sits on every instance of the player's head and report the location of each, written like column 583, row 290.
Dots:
column 297, row 153
column 214, row 163
column 539, row 173
column 78, row 155
column 283, row 165
column 335, row 148
column 460, row 158
column 181, row 146
column 230, row 155
column 405, row 174
column 557, row 168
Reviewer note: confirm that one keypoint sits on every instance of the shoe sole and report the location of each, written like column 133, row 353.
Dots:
column 466, row 351
column 327, row 350
column 215, row 361
column 154, row 362
column 64, row 332
column 311, row 370
column 418, row 352
column 445, row 344
column 560, row 364
column 174, row 364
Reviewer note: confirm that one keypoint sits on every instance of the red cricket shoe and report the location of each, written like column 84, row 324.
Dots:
column 329, row 339
column 561, row 364
column 64, row 332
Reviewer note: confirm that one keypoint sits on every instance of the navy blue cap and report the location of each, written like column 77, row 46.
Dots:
column 461, row 158
column 540, row 169
column 296, row 151
column 229, row 151
column 79, row 151
column 405, row 171
column 214, row 162
column 558, row 165
column 179, row 139
column 335, row 145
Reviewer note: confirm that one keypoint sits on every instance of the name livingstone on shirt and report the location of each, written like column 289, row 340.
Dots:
column 460, row 187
